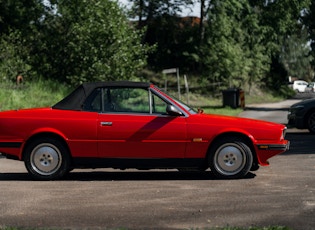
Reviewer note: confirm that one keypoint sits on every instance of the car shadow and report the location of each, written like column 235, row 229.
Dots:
column 124, row 176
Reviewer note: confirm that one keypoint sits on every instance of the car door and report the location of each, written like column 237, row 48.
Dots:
column 134, row 124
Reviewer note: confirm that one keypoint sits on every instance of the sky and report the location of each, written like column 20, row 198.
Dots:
column 195, row 11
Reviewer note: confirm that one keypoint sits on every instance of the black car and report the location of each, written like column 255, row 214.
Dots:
column 302, row 115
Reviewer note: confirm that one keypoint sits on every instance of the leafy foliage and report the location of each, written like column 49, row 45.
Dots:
column 309, row 22
column 11, row 57
column 245, row 39
column 295, row 56
column 233, row 50
column 235, row 42
column 75, row 42
column 92, row 41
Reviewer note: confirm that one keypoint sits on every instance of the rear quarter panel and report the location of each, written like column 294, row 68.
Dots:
column 77, row 128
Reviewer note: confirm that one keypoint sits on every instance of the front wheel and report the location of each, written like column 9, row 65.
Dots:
column 230, row 158
column 46, row 159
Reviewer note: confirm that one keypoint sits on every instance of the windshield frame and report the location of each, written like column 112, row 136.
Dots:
column 179, row 103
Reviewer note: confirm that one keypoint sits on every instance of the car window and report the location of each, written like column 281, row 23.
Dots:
column 125, row 100
column 158, row 105
column 94, row 101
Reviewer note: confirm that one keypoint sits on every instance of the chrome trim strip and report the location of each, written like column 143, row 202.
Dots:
column 106, row 123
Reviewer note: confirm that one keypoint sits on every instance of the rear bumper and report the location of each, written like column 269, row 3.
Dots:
column 10, row 150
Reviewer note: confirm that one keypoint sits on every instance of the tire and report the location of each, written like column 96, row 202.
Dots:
column 47, row 159
column 311, row 122
column 230, row 158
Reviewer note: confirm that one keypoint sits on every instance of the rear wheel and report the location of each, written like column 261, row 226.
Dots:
column 47, row 159
column 230, row 158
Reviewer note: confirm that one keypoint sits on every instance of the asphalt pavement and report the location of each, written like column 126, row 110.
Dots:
column 274, row 112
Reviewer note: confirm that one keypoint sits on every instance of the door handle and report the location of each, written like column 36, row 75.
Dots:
column 106, row 123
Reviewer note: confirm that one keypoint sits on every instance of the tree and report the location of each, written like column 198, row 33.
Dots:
column 173, row 36
column 69, row 41
column 280, row 21
column 145, row 11
column 90, row 40
column 233, row 53
column 18, row 22
column 295, row 56
column 309, row 22
column 12, row 57
column 244, row 40
column 19, row 15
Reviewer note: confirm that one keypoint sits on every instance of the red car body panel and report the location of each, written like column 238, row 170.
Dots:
column 188, row 137
column 136, row 136
column 140, row 136
column 78, row 129
column 208, row 127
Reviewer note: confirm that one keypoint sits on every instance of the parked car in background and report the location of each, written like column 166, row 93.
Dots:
column 302, row 115
column 134, row 125
column 299, row 86
column 310, row 87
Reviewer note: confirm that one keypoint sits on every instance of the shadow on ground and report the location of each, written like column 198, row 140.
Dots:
column 124, row 176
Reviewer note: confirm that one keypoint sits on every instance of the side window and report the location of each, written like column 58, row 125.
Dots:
column 133, row 100
column 124, row 100
column 94, row 101
column 158, row 105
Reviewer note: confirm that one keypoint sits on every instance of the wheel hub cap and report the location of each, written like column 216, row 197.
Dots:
column 45, row 159
column 229, row 159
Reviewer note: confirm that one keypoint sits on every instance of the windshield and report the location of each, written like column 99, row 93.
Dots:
column 182, row 104
column 185, row 106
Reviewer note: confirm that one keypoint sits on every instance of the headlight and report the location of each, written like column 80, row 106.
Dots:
column 284, row 132
column 295, row 109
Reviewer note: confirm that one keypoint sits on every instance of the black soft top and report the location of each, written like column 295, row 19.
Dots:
column 75, row 100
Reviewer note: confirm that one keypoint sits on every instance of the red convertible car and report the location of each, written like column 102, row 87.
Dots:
column 134, row 125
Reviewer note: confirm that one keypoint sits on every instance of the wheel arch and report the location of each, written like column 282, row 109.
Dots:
column 239, row 135
column 46, row 135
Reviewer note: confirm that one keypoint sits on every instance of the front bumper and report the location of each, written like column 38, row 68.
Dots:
column 266, row 151
column 281, row 147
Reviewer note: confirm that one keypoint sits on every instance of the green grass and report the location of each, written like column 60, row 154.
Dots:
column 47, row 93
column 210, row 105
column 223, row 111
column 31, row 94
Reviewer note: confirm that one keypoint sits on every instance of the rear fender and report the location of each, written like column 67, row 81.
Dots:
column 42, row 132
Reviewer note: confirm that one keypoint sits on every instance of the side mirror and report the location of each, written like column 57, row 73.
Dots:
column 171, row 110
